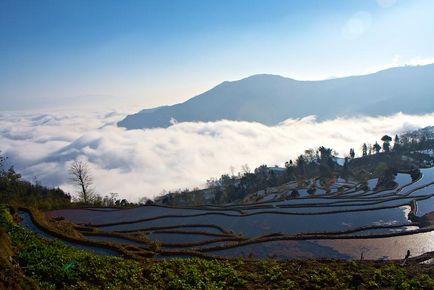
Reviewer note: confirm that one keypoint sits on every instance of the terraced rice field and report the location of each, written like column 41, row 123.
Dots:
column 339, row 224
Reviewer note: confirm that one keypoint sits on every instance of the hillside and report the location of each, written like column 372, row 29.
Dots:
column 270, row 99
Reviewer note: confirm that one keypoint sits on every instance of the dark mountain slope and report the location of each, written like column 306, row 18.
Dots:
column 270, row 99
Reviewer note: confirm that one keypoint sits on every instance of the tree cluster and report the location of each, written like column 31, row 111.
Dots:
column 15, row 191
column 231, row 188
column 404, row 144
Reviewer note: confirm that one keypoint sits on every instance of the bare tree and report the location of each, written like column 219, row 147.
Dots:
column 82, row 179
column 245, row 168
column 232, row 169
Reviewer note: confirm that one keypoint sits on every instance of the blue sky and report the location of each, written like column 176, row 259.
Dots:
column 148, row 53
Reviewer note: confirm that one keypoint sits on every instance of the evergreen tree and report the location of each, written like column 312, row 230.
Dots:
column 386, row 142
column 376, row 147
column 364, row 150
column 396, row 143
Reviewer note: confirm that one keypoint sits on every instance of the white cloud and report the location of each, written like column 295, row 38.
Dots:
column 139, row 163
column 421, row 61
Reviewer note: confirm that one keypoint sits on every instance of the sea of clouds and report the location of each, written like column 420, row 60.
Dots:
column 138, row 163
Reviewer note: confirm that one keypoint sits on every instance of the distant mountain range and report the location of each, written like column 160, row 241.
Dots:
column 270, row 99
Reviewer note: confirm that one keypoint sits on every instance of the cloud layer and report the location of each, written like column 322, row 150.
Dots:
column 139, row 163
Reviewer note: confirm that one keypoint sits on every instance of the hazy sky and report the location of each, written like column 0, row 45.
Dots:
column 148, row 53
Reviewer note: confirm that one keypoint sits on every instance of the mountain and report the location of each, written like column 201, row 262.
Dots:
column 270, row 99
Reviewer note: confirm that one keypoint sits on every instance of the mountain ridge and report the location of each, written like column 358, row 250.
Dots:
column 270, row 99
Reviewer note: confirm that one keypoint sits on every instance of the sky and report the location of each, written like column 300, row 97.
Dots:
column 142, row 54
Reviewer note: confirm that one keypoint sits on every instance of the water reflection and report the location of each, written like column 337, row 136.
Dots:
column 260, row 224
column 283, row 250
column 387, row 248
column 425, row 206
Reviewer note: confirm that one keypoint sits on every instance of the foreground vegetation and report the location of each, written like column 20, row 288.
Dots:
column 29, row 261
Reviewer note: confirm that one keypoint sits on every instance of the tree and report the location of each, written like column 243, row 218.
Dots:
column 82, row 179
column 352, row 153
column 232, row 169
column 290, row 171
column 245, row 168
column 309, row 156
column 2, row 161
column 345, row 170
column 325, row 171
column 110, row 199
column 301, row 166
column 386, row 142
column 364, row 149
column 386, row 176
column 376, row 147
column 10, row 173
column 295, row 193
column 396, row 143
column 326, row 153
column 262, row 176
column 288, row 164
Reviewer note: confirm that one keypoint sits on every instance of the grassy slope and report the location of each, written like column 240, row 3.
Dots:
column 43, row 262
